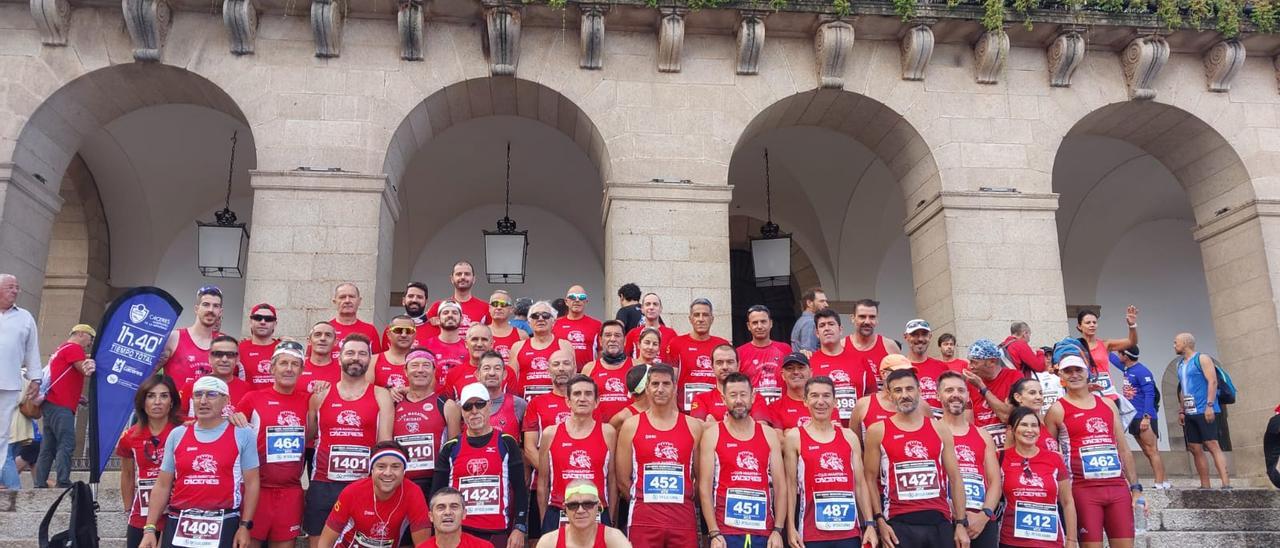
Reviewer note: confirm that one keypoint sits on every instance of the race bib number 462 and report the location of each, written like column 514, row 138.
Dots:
column 1100, row 461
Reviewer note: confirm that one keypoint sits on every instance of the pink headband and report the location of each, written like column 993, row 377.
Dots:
column 421, row 355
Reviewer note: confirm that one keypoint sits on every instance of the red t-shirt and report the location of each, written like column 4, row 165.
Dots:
column 958, row 365
column 465, row 541
column 849, row 371
column 545, row 410
column 448, row 356
column 282, row 423
column 583, row 334
column 665, row 336
column 693, row 357
column 367, row 329
column 473, row 311
column 928, row 372
column 763, row 365
column 136, row 443
column 983, row 416
column 67, row 383
column 238, row 388
column 255, row 359
column 788, row 413
column 1031, row 491
column 311, row 373
column 361, row 517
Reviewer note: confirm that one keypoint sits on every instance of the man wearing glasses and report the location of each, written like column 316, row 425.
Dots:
column 186, row 352
column 388, row 367
column 530, row 358
column 257, row 350
column 414, row 302
column 68, row 368
column 347, row 299
column 487, row 468
column 577, row 327
column 199, row 493
column 505, row 335
column 224, row 354
column 583, row 528
column 277, row 414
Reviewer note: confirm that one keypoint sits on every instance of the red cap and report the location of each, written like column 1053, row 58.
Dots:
column 261, row 306
column 1278, row 409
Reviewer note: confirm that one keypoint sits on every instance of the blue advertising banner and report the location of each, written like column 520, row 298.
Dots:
column 130, row 340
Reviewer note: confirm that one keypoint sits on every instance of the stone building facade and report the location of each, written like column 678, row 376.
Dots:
column 968, row 125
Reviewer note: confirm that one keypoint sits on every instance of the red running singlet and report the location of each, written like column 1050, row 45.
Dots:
column 971, row 459
column 743, row 483
column 1089, row 444
column 827, row 486
column 480, row 474
column 347, row 429
column 420, row 427
column 535, row 372
column 916, row 480
column 188, row 362
column 578, row 458
column 662, row 475
column 599, row 542
column 614, row 396
column 205, row 475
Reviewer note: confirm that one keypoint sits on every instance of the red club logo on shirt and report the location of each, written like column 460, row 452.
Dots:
column 349, row 418
column 1095, row 425
column 379, row 530
column 840, row 377
column 704, row 362
column 477, row 467
column 666, row 450
column 964, row 453
column 288, row 418
column 563, row 416
column 747, row 461
column 264, row 366
column 205, row 463
column 803, row 421
column 411, row 427
column 579, row 459
column 915, row 449
column 831, row 461
column 539, row 363
column 395, row 381
column 1034, row 480
column 1051, row 444
column 576, row 337
column 927, row 384
column 614, row 385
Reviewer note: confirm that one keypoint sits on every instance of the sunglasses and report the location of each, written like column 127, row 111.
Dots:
column 209, row 290
column 581, row 505
column 576, row 297
column 223, row 353
column 499, row 303
column 1026, row 468
column 473, row 406
column 205, row 395
column 153, row 450
column 261, row 318
column 403, row 330
column 540, row 316
column 290, row 345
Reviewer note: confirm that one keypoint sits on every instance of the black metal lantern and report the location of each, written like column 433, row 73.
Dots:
column 771, row 252
column 506, row 249
column 224, row 243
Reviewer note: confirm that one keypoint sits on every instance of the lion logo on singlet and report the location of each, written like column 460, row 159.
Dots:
column 831, row 461
column 477, row 467
column 563, row 416
column 579, row 459
column 1034, row 480
column 577, row 337
column 205, row 463
column 615, row 385
column 1095, row 425
column 704, row 362
column 747, row 461
column 411, row 427
column 803, row 421
column 915, row 449
column 840, row 376
column 264, row 366
column 1051, row 444
column 379, row 530
column 395, row 381
column 288, row 418
column 666, row 450
column 539, row 363
column 964, row 453
column 349, row 418
column 927, row 384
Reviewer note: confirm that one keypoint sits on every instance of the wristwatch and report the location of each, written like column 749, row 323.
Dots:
column 522, row 528
column 247, row 524
column 964, row 521
column 991, row 514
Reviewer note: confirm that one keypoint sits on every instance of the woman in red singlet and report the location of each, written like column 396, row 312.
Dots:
column 142, row 446
column 1100, row 349
column 1037, row 489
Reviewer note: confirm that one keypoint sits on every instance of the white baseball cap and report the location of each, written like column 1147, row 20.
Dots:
column 473, row 391
column 1072, row 361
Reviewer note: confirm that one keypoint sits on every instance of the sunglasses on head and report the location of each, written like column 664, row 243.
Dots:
column 262, row 318
column 576, row 297
column 223, row 353
column 153, row 450
column 403, row 330
column 581, row 505
column 209, row 290
column 1026, row 468
column 499, row 303
column 472, row 406
column 540, row 316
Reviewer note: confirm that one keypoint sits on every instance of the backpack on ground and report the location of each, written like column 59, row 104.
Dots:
column 83, row 529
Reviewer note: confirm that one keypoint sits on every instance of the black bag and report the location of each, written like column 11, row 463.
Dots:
column 83, row 531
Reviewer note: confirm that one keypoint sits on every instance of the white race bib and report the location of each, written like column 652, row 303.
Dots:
column 846, row 400
column 663, row 483
column 1100, row 461
column 348, row 462
column 917, row 480
column 691, row 390
column 198, row 529
column 142, row 491
column 284, row 443
column 480, row 494
column 421, row 449
column 536, row 390
column 745, row 508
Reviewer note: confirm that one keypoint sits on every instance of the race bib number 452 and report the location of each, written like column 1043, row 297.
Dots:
column 663, row 483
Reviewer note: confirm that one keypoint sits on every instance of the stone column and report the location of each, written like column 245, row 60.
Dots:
column 672, row 239
column 27, row 208
column 1241, row 254
column 312, row 231
column 981, row 260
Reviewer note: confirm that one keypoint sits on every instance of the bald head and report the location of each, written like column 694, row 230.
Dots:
column 1187, row 340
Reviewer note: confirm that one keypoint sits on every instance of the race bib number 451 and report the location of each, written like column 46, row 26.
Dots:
column 745, row 508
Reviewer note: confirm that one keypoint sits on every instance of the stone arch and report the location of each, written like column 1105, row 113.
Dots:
column 492, row 96
column 77, row 273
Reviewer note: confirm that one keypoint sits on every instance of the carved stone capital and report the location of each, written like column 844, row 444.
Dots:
column 670, row 37
column 326, row 26
column 502, row 37
column 409, row 21
column 53, row 20
column 750, row 40
column 1142, row 60
column 917, row 48
column 833, row 42
column 241, row 19
column 591, row 35
column 990, row 54
column 1065, row 54
column 1222, row 63
column 148, row 24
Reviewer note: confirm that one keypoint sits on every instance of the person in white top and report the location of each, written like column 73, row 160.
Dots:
column 19, row 349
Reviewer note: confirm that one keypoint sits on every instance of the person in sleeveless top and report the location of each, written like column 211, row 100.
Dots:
column 581, row 447
column 976, row 459
column 447, row 513
column 1099, row 349
column 637, row 380
column 866, row 317
column 142, row 447
column 186, row 351
column 505, row 335
column 919, row 469
column 879, row 405
column 583, row 529
column 790, row 410
column 1198, row 379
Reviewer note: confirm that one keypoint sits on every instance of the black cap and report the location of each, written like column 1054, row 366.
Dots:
column 796, row 357
column 1132, row 352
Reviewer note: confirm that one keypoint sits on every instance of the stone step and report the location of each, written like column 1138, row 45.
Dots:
column 1214, row 498
column 1238, row 520
column 26, row 525
column 1187, row 539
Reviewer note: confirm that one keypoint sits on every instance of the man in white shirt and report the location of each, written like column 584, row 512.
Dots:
column 19, row 347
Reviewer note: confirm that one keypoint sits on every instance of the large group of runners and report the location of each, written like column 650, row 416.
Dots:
column 578, row 430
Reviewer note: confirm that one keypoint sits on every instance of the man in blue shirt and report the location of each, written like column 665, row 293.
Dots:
column 1198, row 412
column 1140, row 389
column 804, row 337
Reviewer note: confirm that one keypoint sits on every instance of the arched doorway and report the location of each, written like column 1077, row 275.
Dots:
column 448, row 162
column 1136, row 180
column 842, row 166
